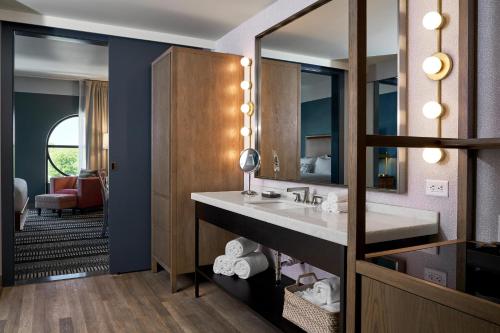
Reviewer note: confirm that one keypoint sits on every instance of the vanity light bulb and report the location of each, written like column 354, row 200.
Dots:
column 433, row 155
column 245, row 131
column 247, row 108
column 245, row 85
column 245, row 62
column 432, row 110
column 432, row 65
column 432, row 21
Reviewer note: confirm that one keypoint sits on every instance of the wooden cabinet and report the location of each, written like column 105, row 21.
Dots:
column 387, row 309
column 280, row 118
column 195, row 148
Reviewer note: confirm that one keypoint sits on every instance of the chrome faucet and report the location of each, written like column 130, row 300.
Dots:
column 298, row 197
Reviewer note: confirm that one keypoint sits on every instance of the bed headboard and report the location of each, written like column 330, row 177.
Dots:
column 318, row 145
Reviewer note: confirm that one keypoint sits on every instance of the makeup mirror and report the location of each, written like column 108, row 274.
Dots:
column 249, row 164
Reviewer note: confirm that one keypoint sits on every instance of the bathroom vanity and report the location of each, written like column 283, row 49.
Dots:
column 301, row 231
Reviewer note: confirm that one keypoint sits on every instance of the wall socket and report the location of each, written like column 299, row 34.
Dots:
column 435, row 276
column 436, row 188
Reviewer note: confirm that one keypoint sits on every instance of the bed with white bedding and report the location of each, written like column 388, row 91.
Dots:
column 316, row 169
column 20, row 202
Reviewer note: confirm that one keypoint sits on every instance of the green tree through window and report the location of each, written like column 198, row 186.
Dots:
column 62, row 148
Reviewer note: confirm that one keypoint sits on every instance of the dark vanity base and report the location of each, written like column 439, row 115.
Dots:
column 260, row 292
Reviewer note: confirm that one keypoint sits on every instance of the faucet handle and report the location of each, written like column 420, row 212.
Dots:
column 317, row 200
column 297, row 197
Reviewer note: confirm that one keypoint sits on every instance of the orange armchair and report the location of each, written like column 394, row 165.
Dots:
column 86, row 190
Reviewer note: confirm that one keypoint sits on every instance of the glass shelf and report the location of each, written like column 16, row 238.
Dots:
column 469, row 267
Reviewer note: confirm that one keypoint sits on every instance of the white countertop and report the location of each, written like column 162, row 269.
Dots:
column 383, row 222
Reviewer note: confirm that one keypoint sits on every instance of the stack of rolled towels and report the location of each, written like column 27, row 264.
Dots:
column 336, row 202
column 241, row 258
column 324, row 293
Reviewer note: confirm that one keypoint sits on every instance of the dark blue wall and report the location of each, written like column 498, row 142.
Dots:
column 387, row 125
column 35, row 114
column 316, row 119
column 387, row 114
column 130, row 122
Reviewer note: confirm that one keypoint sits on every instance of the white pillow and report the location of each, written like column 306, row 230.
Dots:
column 307, row 164
column 323, row 165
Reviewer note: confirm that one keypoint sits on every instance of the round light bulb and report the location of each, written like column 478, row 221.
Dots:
column 433, row 155
column 247, row 108
column 245, row 131
column 432, row 65
column 432, row 21
column 245, row 61
column 245, row 85
column 432, row 110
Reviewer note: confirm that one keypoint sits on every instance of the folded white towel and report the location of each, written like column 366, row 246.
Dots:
column 252, row 264
column 224, row 265
column 340, row 207
column 338, row 196
column 328, row 290
column 240, row 247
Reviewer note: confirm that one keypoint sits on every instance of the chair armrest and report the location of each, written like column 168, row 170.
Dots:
column 89, row 192
column 61, row 183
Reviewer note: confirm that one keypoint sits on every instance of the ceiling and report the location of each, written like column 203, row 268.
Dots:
column 59, row 59
column 208, row 19
column 324, row 32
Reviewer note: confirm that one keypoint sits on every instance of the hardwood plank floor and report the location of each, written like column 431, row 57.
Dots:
column 135, row 302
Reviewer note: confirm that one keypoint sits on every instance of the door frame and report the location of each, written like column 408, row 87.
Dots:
column 8, row 30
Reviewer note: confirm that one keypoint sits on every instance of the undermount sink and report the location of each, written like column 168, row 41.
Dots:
column 277, row 205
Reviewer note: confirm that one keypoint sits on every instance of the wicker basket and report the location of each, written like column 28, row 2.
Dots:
column 310, row 317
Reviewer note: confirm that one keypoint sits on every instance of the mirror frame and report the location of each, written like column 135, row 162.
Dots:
column 402, row 116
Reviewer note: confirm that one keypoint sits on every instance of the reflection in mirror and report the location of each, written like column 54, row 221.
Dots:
column 302, row 93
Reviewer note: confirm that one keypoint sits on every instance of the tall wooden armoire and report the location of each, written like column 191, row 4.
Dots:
column 195, row 147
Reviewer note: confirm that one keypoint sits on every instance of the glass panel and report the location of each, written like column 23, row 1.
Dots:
column 65, row 159
column 65, row 133
column 471, row 268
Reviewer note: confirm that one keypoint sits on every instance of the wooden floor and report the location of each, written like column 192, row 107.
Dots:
column 135, row 302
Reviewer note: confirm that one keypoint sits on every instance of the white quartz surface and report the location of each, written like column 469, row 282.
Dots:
column 383, row 222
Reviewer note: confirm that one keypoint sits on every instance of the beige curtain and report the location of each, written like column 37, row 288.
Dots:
column 96, row 124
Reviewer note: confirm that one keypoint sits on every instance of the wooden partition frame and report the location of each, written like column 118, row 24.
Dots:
column 467, row 143
column 356, row 230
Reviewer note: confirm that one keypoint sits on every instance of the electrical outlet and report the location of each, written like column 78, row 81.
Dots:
column 436, row 188
column 431, row 250
column 435, row 276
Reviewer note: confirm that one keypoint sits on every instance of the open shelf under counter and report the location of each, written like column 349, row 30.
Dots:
column 260, row 293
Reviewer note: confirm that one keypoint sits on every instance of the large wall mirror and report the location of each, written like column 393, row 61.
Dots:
column 302, row 112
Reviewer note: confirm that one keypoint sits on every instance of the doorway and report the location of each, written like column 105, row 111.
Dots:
column 60, row 152
column 129, row 141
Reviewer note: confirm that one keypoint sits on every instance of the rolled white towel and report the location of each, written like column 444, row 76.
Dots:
column 339, row 196
column 224, row 265
column 240, row 247
column 252, row 264
column 328, row 290
column 340, row 207
column 334, row 307
column 310, row 296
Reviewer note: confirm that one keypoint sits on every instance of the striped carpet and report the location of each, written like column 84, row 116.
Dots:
column 52, row 246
